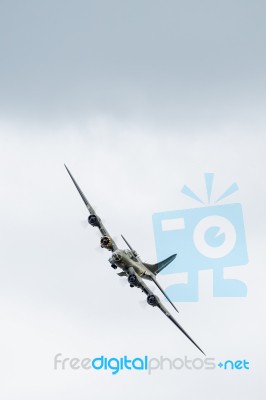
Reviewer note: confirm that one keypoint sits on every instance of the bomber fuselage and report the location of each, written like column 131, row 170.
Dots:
column 125, row 259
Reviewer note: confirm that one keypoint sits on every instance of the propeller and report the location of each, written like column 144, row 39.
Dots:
column 123, row 281
column 84, row 223
column 143, row 303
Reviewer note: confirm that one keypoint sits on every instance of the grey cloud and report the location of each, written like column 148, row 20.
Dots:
column 143, row 59
column 120, row 84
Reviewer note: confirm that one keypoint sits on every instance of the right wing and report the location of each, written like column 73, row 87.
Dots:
column 158, row 304
column 99, row 223
column 166, row 312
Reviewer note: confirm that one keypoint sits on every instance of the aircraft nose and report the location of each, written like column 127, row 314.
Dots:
column 117, row 256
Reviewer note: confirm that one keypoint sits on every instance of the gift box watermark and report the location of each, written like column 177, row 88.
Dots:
column 209, row 237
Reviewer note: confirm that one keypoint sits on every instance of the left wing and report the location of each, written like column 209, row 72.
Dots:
column 155, row 302
column 94, row 220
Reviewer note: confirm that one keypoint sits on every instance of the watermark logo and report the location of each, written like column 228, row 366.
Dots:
column 210, row 237
column 231, row 365
column 112, row 364
column 115, row 365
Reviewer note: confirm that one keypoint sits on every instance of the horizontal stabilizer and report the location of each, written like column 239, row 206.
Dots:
column 122, row 273
column 158, row 267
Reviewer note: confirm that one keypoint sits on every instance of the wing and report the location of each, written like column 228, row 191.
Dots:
column 95, row 220
column 166, row 312
column 157, row 303
column 163, row 292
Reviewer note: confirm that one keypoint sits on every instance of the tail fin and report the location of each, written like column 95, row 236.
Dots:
column 156, row 268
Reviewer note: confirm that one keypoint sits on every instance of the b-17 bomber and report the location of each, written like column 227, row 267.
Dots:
column 131, row 266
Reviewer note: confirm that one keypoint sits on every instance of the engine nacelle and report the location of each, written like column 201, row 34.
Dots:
column 93, row 220
column 106, row 243
column 133, row 280
column 152, row 300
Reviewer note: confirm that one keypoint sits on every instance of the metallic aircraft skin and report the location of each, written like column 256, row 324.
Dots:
column 131, row 265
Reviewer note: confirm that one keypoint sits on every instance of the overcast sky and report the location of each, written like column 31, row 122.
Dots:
column 138, row 99
column 171, row 61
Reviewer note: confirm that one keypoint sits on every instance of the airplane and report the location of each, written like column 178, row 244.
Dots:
column 131, row 265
